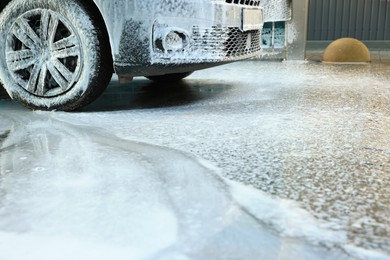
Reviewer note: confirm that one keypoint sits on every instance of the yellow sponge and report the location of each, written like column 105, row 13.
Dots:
column 347, row 50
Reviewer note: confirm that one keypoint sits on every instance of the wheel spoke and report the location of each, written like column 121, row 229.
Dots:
column 20, row 81
column 19, row 55
column 21, row 59
column 65, row 53
column 68, row 75
column 22, row 64
column 17, row 32
column 41, row 86
column 65, row 43
column 45, row 19
column 32, row 83
column 14, row 56
column 53, row 25
column 28, row 31
column 57, row 76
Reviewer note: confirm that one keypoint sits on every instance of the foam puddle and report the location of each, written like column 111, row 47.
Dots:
column 71, row 192
column 295, row 225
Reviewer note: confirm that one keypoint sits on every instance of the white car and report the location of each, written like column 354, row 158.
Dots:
column 60, row 54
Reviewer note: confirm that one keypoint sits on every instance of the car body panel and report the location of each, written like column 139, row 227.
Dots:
column 134, row 27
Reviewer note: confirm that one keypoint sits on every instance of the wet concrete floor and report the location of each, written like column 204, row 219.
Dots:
column 314, row 134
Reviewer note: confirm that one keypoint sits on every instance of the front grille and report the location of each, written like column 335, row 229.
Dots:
column 226, row 42
column 244, row 2
column 242, row 43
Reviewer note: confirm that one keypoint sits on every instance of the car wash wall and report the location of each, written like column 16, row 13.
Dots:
column 366, row 20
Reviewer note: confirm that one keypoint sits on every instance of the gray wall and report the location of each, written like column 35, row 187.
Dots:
column 367, row 20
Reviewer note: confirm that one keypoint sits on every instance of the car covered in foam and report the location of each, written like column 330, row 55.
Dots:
column 61, row 54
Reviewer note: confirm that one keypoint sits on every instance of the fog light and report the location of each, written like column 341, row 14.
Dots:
column 174, row 41
column 170, row 39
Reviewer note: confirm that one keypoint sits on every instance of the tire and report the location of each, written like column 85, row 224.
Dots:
column 54, row 53
column 170, row 77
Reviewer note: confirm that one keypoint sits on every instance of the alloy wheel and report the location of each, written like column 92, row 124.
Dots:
column 43, row 53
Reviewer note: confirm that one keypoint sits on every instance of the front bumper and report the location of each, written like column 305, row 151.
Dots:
column 187, row 36
column 231, row 32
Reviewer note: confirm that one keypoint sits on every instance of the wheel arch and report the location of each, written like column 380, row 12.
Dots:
column 93, row 6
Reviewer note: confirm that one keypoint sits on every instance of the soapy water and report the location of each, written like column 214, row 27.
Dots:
column 71, row 191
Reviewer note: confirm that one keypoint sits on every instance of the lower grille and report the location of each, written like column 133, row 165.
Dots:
column 242, row 43
column 226, row 42
column 244, row 2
